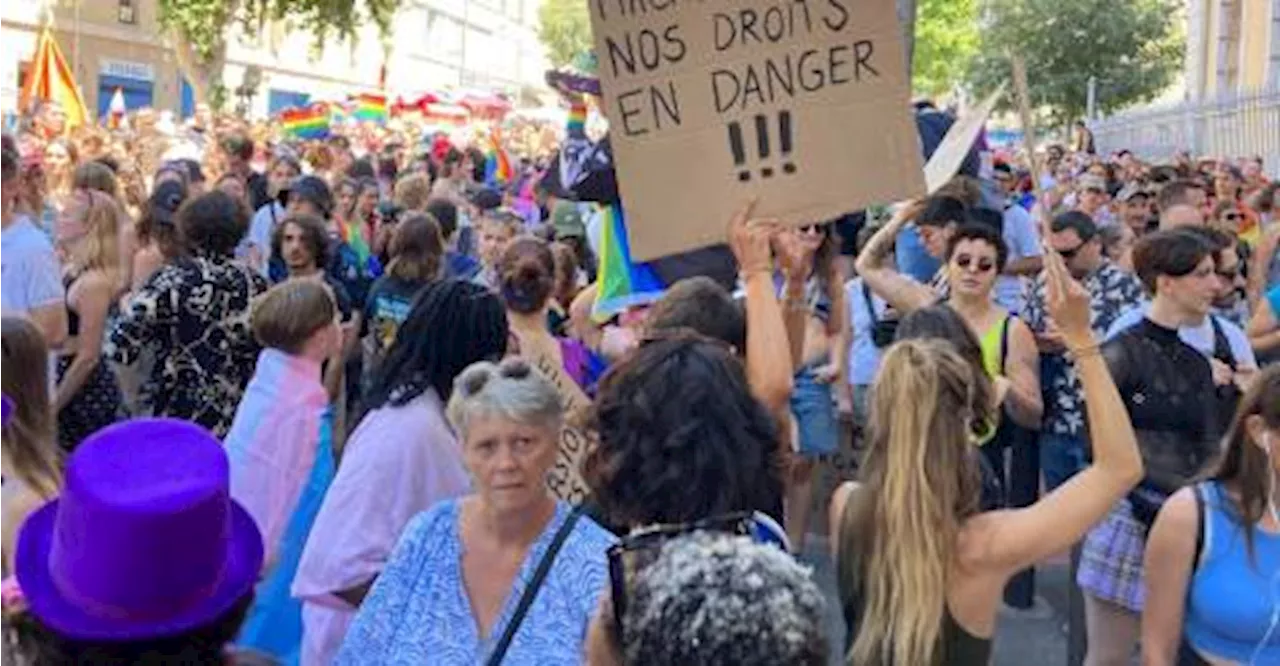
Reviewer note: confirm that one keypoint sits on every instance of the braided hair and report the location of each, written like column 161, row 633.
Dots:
column 451, row 325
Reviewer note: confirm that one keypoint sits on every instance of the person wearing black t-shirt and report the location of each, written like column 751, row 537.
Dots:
column 416, row 256
column 1168, row 388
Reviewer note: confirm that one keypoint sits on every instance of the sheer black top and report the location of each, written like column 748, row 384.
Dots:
column 1168, row 389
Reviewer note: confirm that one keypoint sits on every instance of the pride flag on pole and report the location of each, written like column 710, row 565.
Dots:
column 371, row 108
column 50, row 78
column 621, row 284
column 309, row 123
column 497, row 164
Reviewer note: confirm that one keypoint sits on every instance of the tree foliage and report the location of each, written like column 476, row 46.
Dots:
column 946, row 40
column 1133, row 48
column 199, row 29
column 564, row 28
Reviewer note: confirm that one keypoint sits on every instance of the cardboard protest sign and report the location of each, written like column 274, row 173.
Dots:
column 950, row 154
column 565, row 479
column 803, row 104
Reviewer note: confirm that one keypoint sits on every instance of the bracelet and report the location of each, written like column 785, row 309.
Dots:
column 1087, row 350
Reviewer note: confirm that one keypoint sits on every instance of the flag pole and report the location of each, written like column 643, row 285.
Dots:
column 75, row 44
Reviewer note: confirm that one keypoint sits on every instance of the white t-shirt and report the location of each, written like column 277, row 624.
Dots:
column 30, row 276
column 1022, row 237
column 1200, row 336
column 864, row 356
column 259, row 236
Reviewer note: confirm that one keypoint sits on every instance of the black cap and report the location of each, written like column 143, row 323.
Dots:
column 309, row 188
column 486, row 198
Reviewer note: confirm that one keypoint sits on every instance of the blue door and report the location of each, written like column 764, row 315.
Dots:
column 188, row 99
column 137, row 94
column 278, row 100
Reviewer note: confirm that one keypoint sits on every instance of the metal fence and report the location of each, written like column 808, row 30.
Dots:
column 1235, row 125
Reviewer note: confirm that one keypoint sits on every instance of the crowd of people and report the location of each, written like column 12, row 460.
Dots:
column 299, row 402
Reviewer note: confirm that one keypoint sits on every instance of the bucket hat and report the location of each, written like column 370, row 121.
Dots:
column 144, row 541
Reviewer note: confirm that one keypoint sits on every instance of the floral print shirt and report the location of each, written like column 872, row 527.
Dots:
column 193, row 317
column 1112, row 292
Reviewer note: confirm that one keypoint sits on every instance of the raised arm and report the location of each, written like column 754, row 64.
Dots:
column 900, row 291
column 768, row 372
column 1013, row 539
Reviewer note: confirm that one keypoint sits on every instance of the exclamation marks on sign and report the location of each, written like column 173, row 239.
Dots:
column 785, row 141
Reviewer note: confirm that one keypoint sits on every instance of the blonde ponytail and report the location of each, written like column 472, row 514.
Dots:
column 919, row 482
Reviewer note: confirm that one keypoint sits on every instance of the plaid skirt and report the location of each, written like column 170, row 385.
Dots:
column 1111, row 560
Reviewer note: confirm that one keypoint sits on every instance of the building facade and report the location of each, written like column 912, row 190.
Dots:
column 436, row 44
column 1233, row 46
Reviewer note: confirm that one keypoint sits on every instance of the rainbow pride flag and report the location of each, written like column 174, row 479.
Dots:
column 621, row 284
column 354, row 237
column 371, row 108
column 577, row 124
column 497, row 164
column 309, row 123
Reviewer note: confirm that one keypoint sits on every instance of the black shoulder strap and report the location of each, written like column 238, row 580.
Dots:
column 1222, row 346
column 871, row 308
column 1197, row 492
column 1004, row 344
column 531, row 590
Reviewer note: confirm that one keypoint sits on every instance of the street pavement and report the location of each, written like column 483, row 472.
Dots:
column 1036, row 636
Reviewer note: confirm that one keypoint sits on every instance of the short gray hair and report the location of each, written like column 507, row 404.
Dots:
column 512, row 390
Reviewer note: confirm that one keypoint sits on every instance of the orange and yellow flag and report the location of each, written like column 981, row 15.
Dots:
column 50, row 78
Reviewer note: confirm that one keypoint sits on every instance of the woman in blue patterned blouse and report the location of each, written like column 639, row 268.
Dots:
column 451, row 588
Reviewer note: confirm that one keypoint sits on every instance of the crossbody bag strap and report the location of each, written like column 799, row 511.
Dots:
column 1221, row 345
column 531, row 590
column 871, row 308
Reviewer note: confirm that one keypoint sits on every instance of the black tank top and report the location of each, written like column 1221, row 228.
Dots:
column 957, row 647
column 73, row 317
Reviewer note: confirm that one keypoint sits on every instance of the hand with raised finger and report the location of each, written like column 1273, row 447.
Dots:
column 749, row 243
column 1068, row 302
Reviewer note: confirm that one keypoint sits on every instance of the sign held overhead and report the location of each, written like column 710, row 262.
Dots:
column 804, row 104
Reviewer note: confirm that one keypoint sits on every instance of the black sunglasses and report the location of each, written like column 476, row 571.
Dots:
column 641, row 547
column 983, row 265
column 1068, row 255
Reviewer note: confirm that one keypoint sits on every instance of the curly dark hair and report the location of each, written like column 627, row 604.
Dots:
column 213, row 223
column 681, row 437
column 314, row 231
column 451, row 325
column 203, row 646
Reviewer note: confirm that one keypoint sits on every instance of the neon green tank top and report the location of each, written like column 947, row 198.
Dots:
column 993, row 346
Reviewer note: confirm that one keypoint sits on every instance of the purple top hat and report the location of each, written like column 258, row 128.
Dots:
column 145, row 540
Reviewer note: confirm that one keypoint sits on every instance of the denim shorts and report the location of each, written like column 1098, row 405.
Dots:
column 815, row 413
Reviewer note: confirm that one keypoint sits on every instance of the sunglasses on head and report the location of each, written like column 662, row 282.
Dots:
column 982, row 264
column 642, row 546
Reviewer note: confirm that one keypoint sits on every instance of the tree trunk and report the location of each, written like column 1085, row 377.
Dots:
column 907, row 19
column 203, row 75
